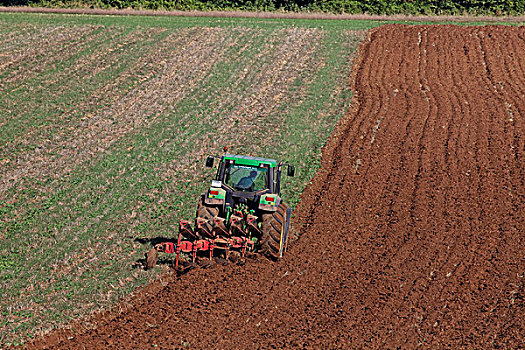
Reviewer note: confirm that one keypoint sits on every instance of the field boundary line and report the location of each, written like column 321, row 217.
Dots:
column 266, row 15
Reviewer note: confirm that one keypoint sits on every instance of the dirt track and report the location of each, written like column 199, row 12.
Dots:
column 413, row 230
column 248, row 14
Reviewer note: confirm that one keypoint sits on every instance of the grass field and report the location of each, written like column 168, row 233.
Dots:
column 105, row 126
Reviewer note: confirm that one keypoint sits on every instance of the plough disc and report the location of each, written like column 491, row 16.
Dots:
column 220, row 227
column 204, row 228
column 236, row 226
column 251, row 223
column 186, row 230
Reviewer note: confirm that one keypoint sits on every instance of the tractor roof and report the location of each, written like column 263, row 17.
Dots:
column 251, row 161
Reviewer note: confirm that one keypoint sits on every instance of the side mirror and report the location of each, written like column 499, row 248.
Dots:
column 209, row 162
column 291, row 171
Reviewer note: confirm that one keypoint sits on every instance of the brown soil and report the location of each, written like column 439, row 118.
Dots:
column 411, row 232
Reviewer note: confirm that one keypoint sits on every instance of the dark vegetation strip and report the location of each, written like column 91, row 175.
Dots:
column 374, row 7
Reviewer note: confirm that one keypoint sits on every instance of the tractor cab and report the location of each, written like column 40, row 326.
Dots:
column 253, row 181
column 247, row 174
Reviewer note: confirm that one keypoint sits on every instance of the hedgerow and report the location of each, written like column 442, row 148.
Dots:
column 374, row 7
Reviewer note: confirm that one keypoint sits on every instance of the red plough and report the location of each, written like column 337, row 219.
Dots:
column 219, row 241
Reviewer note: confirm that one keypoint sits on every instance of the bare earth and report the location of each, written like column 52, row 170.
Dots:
column 412, row 233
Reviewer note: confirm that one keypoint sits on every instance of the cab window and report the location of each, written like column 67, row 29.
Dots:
column 245, row 178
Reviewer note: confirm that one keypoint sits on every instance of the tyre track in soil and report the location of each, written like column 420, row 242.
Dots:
column 411, row 232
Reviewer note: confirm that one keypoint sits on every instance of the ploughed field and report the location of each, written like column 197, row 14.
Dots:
column 411, row 233
column 105, row 123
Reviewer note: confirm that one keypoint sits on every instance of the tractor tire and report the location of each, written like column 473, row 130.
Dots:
column 272, row 226
column 151, row 258
column 206, row 212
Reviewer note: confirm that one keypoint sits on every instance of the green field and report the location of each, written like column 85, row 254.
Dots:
column 105, row 125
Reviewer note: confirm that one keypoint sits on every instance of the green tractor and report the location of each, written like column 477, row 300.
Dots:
column 241, row 211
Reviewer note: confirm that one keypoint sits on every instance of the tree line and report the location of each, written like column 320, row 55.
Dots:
column 374, row 7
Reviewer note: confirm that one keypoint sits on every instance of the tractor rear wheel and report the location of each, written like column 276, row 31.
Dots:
column 151, row 258
column 208, row 213
column 272, row 227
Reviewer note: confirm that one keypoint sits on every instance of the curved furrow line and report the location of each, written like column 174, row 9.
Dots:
column 513, row 71
column 374, row 101
column 420, row 198
column 355, row 145
column 372, row 150
column 513, row 45
column 479, row 175
column 409, row 117
column 520, row 42
column 386, row 179
column 381, row 238
column 349, row 130
column 399, row 245
column 454, row 109
column 385, row 93
column 515, row 106
column 361, row 145
column 476, row 141
column 461, row 82
column 510, row 91
column 386, row 217
column 495, row 135
column 501, row 204
column 390, row 134
column 454, row 133
column 429, row 178
column 464, row 182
